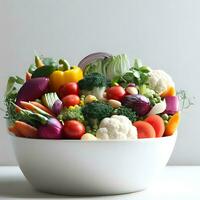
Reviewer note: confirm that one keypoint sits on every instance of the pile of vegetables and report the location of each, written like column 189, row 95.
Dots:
column 104, row 97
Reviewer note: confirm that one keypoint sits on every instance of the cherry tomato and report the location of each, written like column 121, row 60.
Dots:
column 68, row 88
column 115, row 92
column 73, row 129
column 71, row 100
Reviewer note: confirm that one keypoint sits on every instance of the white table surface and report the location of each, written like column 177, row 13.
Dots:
column 174, row 183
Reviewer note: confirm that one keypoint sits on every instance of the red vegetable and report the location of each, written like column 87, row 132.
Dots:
column 115, row 92
column 73, row 129
column 52, row 130
column 144, row 129
column 172, row 103
column 92, row 57
column 32, row 89
column 158, row 124
column 68, row 88
column 71, row 100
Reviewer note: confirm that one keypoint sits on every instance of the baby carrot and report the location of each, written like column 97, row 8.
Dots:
column 42, row 107
column 33, row 108
column 26, row 130
column 14, row 130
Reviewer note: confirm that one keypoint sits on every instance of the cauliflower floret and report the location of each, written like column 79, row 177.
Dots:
column 116, row 127
column 160, row 81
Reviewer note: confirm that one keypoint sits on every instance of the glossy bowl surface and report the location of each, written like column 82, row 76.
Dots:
column 75, row 167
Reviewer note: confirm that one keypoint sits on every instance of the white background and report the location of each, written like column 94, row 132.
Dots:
column 163, row 33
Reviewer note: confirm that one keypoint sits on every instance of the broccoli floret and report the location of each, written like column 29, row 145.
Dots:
column 96, row 111
column 74, row 112
column 93, row 84
column 128, row 112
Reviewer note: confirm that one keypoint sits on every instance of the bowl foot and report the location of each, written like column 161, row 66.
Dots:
column 88, row 193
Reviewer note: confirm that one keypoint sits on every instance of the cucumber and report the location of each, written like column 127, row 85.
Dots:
column 43, row 71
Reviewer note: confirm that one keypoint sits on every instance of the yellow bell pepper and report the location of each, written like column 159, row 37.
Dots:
column 59, row 78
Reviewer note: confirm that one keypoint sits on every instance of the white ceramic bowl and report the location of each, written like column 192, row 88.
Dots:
column 74, row 167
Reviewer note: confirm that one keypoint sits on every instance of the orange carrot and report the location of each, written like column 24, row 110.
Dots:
column 33, row 108
column 17, row 109
column 28, row 76
column 172, row 124
column 27, row 106
column 26, row 130
column 169, row 92
column 42, row 107
column 14, row 130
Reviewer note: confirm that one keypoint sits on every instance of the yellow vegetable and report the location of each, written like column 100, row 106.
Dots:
column 59, row 78
column 169, row 92
column 38, row 62
column 90, row 98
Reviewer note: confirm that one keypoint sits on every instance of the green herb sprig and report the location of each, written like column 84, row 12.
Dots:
column 185, row 100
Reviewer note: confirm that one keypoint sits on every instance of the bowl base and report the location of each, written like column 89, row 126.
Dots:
column 87, row 194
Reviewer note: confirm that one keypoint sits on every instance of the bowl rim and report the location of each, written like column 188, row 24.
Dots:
column 96, row 141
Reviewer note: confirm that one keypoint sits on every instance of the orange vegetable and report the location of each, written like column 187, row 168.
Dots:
column 22, row 129
column 172, row 124
column 144, row 129
column 33, row 108
column 28, row 76
column 42, row 107
column 14, row 130
column 26, row 130
column 158, row 124
column 17, row 109
column 27, row 106
column 169, row 92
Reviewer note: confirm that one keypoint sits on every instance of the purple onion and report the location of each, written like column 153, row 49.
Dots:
column 139, row 103
column 57, row 106
column 92, row 57
column 172, row 104
column 52, row 130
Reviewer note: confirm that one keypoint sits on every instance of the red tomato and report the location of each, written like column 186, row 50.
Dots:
column 73, row 129
column 68, row 88
column 115, row 92
column 144, row 129
column 158, row 124
column 71, row 100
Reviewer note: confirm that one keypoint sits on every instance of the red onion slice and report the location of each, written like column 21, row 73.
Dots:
column 172, row 104
column 92, row 57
